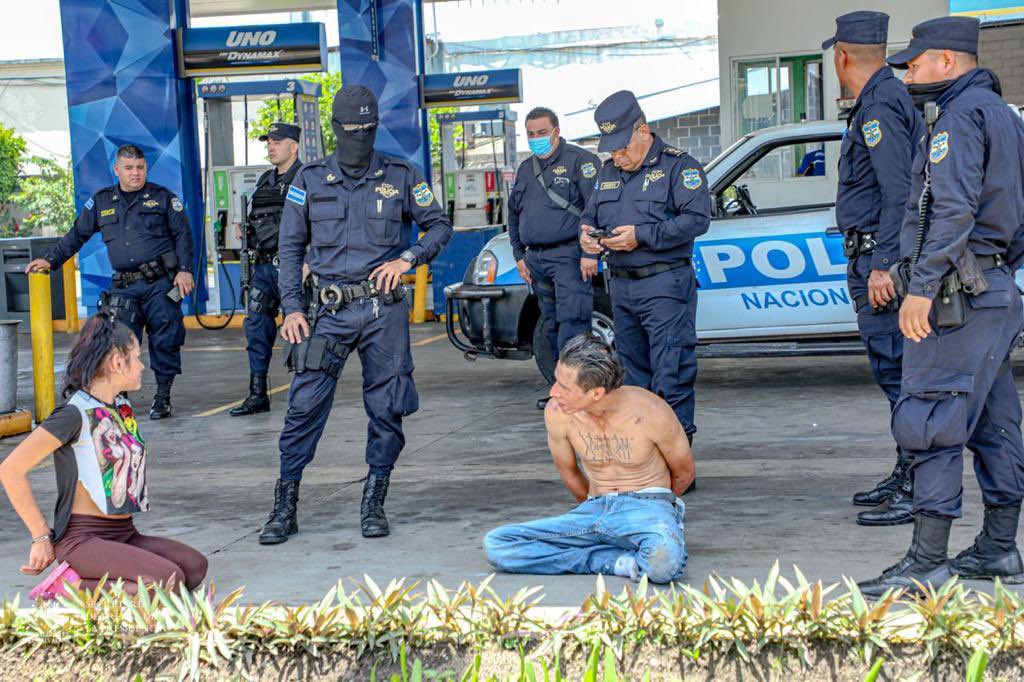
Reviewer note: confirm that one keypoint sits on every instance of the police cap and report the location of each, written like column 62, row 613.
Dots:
column 959, row 34
column 281, row 131
column 615, row 117
column 354, row 104
column 862, row 27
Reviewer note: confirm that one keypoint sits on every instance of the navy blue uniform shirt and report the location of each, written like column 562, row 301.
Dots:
column 535, row 220
column 666, row 198
column 976, row 158
column 141, row 231
column 874, row 164
column 352, row 226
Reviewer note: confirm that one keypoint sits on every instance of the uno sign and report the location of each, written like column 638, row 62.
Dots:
column 464, row 89
column 252, row 49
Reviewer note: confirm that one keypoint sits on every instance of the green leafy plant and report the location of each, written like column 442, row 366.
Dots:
column 283, row 108
column 49, row 197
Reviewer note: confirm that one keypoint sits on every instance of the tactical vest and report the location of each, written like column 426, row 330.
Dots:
column 265, row 217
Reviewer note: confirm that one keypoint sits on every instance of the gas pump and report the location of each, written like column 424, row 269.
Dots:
column 228, row 183
column 478, row 173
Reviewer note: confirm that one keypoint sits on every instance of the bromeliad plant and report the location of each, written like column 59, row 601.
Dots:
column 725, row 619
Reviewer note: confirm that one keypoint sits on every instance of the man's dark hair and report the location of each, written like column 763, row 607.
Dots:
column 543, row 112
column 594, row 362
column 129, row 151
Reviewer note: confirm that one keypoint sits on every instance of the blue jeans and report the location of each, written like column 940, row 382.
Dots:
column 591, row 537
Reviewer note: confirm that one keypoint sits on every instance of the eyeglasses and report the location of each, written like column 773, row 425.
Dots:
column 354, row 127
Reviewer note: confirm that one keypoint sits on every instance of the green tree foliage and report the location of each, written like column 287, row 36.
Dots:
column 283, row 109
column 48, row 198
column 12, row 146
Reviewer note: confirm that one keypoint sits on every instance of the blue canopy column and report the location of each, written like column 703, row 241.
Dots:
column 382, row 49
column 123, row 87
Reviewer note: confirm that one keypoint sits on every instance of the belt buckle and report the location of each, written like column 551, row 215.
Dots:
column 331, row 295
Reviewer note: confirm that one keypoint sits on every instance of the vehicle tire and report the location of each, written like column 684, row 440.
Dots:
column 601, row 322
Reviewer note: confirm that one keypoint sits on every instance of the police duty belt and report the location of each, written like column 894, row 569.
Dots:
column 333, row 297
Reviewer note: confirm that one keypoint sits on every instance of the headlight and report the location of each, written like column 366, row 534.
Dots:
column 486, row 269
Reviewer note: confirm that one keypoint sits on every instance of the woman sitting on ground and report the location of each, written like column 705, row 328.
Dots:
column 100, row 462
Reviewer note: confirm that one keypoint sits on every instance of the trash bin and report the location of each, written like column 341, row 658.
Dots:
column 8, row 365
column 15, row 254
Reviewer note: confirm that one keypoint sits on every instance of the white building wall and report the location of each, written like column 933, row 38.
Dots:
column 749, row 29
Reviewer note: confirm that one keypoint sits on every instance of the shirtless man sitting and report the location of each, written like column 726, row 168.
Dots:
column 636, row 460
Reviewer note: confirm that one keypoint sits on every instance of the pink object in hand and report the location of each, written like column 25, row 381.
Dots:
column 56, row 583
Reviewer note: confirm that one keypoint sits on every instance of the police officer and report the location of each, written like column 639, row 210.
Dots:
column 653, row 201
column 263, row 225
column 962, row 310
column 150, row 248
column 874, row 183
column 354, row 210
column 545, row 204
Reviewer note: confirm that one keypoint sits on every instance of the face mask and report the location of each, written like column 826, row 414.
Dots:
column 355, row 149
column 541, row 146
column 922, row 93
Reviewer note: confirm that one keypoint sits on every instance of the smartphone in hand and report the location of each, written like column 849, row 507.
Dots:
column 174, row 294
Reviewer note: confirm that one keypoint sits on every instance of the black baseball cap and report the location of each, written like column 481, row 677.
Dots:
column 281, row 131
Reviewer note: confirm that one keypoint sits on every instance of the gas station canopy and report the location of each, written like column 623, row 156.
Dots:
column 221, row 8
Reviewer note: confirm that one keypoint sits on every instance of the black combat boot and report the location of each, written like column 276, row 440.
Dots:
column 899, row 510
column 283, row 521
column 258, row 399
column 162, row 400
column 373, row 521
column 886, row 487
column 994, row 553
column 926, row 561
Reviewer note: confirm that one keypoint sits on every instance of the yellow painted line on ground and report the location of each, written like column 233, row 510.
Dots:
column 430, row 339
column 225, row 408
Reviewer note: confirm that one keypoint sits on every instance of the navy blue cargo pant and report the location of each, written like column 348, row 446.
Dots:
column 161, row 319
column 564, row 297
column 656, row 336
column 381, row 336
column 958, row 392
column 261, row 325
column 880, row 333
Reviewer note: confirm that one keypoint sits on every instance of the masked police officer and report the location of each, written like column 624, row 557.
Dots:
column 545, row 204
column 874, row 183
column 354, row 210
column 652, row 201
column 962, row 311
column 150, row 248
column 262, row 297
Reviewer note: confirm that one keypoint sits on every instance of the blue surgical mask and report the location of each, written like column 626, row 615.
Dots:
column 541, row 146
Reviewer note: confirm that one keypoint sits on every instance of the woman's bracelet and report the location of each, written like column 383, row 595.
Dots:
column 41, row 538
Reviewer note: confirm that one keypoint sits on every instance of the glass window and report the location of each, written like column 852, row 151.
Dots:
column 771, row 92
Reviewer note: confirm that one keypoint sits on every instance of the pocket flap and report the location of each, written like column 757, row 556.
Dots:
column 388, row 209
column 998, row 296
column 326, row 208
column 936, row 380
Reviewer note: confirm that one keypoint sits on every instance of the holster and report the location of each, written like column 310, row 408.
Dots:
column 900, row 273
column 971, row 274
column 315, row 352
column 122, row 308
column 951, row 303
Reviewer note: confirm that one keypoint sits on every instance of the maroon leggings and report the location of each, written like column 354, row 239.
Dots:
column 96, row 547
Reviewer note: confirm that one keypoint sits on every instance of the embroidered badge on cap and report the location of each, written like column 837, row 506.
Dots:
column 940, row 147
column 176, row 204
column 89, row 204
column 107, row 211
column 691, row 178
column 386, row 190
column 588, row 170
column 296, row 195
column 872, row 133
column 421, row 192
column 607, row 127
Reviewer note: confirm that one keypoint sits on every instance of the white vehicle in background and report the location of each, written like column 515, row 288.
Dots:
column 771, row 269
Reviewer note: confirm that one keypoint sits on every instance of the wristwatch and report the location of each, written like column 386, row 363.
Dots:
column 409, row 256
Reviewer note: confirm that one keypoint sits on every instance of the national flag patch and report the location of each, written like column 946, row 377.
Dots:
column 296, row 195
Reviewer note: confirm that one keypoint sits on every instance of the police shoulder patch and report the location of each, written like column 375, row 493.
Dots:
column 176, row 204
column 588, row 169
column 422, row 194
column 691, row 178
column 939, row 148
column 296, row 195
column 872, row 133
column 89, row 204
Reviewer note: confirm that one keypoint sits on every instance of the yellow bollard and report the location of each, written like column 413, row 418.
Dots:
column 419, row 297
column 41, row 317
column 71, row 322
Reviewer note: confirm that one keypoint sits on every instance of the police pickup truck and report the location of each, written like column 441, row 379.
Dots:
column 771, row 269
